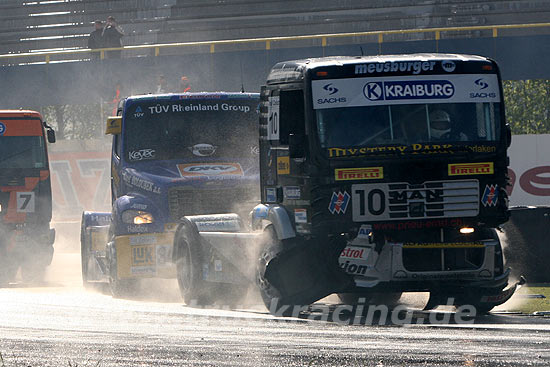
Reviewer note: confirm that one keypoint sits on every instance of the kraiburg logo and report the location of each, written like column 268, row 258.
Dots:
column 373, row 91
column 402, row 90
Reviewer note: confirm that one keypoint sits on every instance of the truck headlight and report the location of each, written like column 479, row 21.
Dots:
column 137, row 217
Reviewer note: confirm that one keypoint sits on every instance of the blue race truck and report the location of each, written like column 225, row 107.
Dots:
column 173, row 155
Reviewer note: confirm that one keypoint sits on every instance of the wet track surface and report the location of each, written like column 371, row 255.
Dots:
column 60, row 323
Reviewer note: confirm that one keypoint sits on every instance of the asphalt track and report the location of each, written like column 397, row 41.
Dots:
column 59, row 323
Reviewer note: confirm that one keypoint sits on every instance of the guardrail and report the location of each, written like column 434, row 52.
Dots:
column 46, row 56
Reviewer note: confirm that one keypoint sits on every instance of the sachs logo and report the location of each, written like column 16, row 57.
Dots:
column 210, row 169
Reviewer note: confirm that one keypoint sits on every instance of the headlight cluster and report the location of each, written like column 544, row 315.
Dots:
column 137, row 217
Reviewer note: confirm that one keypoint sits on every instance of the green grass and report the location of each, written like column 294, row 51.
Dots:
column 530, row 305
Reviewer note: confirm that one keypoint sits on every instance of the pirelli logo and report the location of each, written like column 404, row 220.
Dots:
column 465, row 169
column 366, row 173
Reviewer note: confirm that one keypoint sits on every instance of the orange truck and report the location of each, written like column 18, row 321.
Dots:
column 26, row 239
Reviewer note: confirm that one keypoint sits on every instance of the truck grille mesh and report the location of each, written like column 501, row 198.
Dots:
column 183, row 202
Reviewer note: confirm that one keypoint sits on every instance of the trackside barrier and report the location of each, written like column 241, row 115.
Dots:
column 267, row 43
column 527, row 243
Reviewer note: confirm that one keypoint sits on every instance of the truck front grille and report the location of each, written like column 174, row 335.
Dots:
column 443, row 259
column 184, row 201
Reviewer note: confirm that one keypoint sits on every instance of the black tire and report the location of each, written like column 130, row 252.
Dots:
column 389, row 299
column 84, row 257
column 8, row 269
column 273, row 300
column 193, row 288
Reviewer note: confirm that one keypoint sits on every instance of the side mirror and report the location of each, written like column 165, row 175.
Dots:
column 114, row 125
column 297, row 146
column 51, row 135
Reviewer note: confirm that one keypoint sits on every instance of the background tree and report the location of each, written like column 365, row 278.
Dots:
column 528, row 105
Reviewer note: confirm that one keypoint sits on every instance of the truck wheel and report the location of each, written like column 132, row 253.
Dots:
column 193, row 288
column 8, row 269
column 271, row 296
column 372, row 298
column 84, row 258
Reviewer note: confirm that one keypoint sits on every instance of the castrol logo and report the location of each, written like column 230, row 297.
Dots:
column 354, row 253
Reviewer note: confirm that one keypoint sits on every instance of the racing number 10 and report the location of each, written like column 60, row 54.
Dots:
column 368, row 202
column 273, row 118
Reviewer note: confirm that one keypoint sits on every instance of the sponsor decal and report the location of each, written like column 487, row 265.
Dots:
column 444, row 245
column 399, row 201
column 331, row 89
column 135, row 228
column 138, row 112
column 203, row 150
column 163, row 255
column 210, row 169
column 352, row 268
column 365, row 231
column 364, row 173
column 352, row 252
column 2, row 128
column 261, row 212
column 138, row 155
column 140, row 183
column 300, row 215
column 448, row 65
column 138, row 206
column 339, row 202
column 143, row 240
column 394, row 149
column 404, row 90
column 482, row 84
column 482, row 148
column 413, row 67
column 465, row 169
column 490, row 195
column 283, row 165
column 292, row 192
column 143, row 256
column 271, row 195
column 218, row 226
column 434, row 223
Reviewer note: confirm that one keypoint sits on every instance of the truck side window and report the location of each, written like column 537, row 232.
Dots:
column 116, row 145
column 291, row 114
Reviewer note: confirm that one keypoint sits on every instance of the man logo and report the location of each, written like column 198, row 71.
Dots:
column 481, row 83
column 331, row 89
column 448, row 66
column 373, row 91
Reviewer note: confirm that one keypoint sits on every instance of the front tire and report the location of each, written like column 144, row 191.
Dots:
column 193, row 288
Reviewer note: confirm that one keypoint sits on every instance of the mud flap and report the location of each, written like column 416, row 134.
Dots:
column 303, row 272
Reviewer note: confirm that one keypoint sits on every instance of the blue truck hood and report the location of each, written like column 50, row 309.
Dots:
column 155, row 176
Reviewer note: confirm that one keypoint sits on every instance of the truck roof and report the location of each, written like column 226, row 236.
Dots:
column 19, row 113
column 194, row 95
column 295, row 69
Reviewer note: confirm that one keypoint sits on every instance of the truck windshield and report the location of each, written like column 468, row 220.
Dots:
column 174, row 129
column 22, row 152
column 408, row 124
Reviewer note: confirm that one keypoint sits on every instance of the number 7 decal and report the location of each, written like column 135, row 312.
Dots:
column 25, row 202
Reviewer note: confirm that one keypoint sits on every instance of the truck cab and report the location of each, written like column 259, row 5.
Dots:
column 172, row 155
column 398, row 165
column 26, row 239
